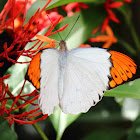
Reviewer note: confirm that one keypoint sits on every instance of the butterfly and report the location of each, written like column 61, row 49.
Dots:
column 76, row 79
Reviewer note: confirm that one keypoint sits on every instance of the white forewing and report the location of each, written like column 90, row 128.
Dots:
column 85, row 79
column 48, row 98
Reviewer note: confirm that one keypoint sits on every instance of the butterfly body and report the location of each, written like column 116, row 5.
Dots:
column 76, row 79
column 63, row 60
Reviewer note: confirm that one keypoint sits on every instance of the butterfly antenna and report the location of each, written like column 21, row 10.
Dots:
column 55, row 28
column 72, row 27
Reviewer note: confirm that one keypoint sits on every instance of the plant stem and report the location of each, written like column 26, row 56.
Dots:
column 9, row 106
column 134, row 35
column 36, row 126
column 127, row 16
column 128, row 47
column 39, row 130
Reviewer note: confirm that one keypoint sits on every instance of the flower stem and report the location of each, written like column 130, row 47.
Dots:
column 39, row 130
column 127, row 16
column 9, row 106
column 134, row 35
column 127, row 46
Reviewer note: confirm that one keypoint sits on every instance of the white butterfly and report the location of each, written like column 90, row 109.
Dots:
column 73, row 79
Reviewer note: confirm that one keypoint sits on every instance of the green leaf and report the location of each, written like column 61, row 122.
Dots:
column 6, row 132
column 126, row 11
column 127, row 46
column 82, row 29
column 61, row 121
column 54, row 3
column 64, row 2
column 16, row 80
column 35, row 6
column 131, row 89
column 135, row 131
column 106, row 134
column 2, row 3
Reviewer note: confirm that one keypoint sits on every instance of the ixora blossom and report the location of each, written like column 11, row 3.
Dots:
column 16, row 18
column 109, row 4
column 20, row 102
column 75, row 5
column 108, row 38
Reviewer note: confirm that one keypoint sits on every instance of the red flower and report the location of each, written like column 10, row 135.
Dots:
column 7, row 113
column 109, row 38
column 16, row 11
column 127, row 1
column 77, row 6
column 111, row 16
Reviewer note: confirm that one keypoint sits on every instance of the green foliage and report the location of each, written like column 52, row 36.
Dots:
column 105, row 134
column 61, row 121
column 135, row 131
column 6, row 132
column 131, row 89
column 15, row 81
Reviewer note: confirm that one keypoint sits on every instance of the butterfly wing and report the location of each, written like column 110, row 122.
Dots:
column 85, row 79
column 123, row 70
column 48, row 98
column 33, row 73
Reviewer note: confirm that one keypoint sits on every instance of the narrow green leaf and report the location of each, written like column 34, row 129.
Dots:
column 6, row 132
column 61, row 121
column 131, row 89
column 127, row 46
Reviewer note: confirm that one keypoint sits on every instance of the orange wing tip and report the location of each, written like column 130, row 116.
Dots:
column 123, row 69
column 33, row 73
column 112, row 84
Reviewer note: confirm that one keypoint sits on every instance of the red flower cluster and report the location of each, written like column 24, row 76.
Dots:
column 7, row 113
column 17, row 17
column 77, row 6
column 111, row 16
column 24, row 36
column 108, row 38
column 109, row 4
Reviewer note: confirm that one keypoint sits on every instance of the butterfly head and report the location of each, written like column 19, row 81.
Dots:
column 63, row 46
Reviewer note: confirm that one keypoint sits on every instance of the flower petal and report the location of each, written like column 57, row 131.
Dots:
column 116, row 4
